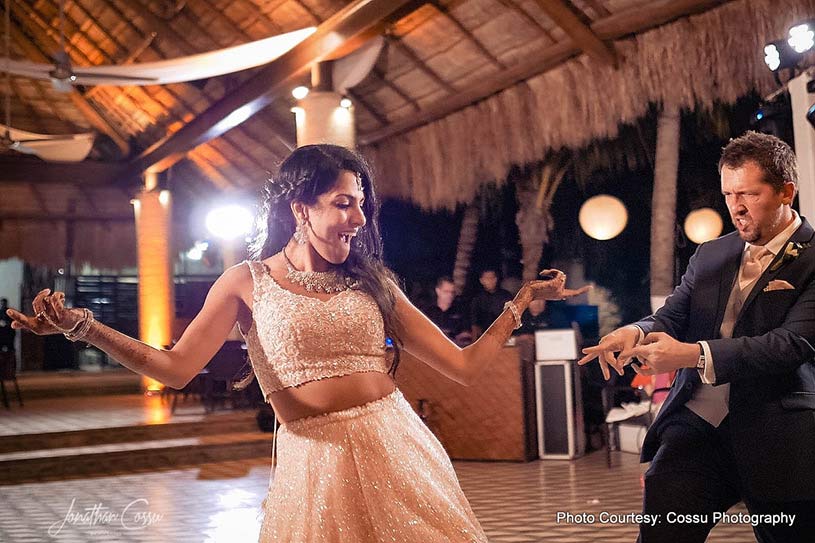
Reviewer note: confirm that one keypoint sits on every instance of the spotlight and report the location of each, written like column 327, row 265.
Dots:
column 299, row 92
column 778, row 55
column 802, row 38
column 229, row 222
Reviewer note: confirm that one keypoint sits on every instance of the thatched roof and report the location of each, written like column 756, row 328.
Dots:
column 716, row 56
column 463, row 89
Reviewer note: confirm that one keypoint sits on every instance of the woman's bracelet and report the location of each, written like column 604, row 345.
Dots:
column 515, row 313
column 81, row 329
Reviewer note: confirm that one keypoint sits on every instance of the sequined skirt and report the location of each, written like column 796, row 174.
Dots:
column 371, row 473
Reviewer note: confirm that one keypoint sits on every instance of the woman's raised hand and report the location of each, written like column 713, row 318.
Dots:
column 50, row 315
column 554, row 287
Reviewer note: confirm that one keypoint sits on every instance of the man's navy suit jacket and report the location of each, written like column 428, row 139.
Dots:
column 769, row 362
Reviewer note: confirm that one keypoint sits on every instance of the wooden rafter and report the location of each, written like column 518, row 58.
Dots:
column 526, row 16
column 381, row 119
column 142, row 94
column 258, row 91
column 599, row 8
column 408, row 52
column 377, row 73
column 562, row 12
column 96, row 119
column 39, row 198
column 280, row 131
column 277, row 129
column 95, row 217
column 467, row 34
column 35, row 117
column 622, row 24
column 30, row 170
column 67, row 126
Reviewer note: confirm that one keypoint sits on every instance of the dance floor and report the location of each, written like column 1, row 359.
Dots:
column 220, row 501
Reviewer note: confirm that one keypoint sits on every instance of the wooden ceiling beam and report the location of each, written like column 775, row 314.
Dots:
column 144, row 94
column 23, row 169
column 377, row 73
column 562, row 12
column 381, row 119
column 47, row 217
column 270, row 81
column 599, row 8
column 278, row 129
column 408, row 52
column 94, row 117
column 520, row 10
column 624, row 23
column 652, row 15
column 36, row 118
column 444, row 11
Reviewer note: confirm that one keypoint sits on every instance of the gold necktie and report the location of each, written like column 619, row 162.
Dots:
column 757, row 256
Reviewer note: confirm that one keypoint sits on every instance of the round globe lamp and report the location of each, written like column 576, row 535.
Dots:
column 603, row 217
column 703, row 225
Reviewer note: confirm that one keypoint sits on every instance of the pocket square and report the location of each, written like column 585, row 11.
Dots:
column 778, row 284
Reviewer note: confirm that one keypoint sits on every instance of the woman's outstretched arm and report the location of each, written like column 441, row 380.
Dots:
column 174, row 367
column 424, row 340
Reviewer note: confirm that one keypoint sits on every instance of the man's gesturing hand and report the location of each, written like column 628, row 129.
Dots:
column 663, row 354
column 622, row 340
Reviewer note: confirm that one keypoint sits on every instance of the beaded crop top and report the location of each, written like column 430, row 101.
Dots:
column 295, row 339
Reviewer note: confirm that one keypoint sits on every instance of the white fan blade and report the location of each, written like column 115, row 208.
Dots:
column 24, row 68
column 177, row 70
column 22, row 148
column 75, row 149
column 64, row 148
column 350, row 70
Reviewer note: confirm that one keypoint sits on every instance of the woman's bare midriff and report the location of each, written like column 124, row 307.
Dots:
column 328, row 395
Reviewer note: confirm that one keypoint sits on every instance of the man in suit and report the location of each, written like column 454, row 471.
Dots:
column 739, row 422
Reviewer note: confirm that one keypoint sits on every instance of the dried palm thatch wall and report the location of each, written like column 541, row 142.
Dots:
column 694, row 62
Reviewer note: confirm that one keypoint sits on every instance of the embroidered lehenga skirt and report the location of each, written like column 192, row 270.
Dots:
column 372, row 473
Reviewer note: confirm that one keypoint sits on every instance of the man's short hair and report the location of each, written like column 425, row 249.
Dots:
column 487, row 270
column 775, row 158
column 444, row 279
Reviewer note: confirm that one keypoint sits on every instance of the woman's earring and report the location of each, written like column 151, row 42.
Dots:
column 300, row 233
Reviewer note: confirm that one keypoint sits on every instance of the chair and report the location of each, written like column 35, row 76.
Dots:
column 610, row 395
column 8, row 372
column 218, row 377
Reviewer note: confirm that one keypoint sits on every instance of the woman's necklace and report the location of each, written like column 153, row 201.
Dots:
column 314, row 281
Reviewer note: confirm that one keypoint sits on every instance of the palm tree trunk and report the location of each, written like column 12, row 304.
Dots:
column 534, row 219
column 466, row 242
column 663, row 208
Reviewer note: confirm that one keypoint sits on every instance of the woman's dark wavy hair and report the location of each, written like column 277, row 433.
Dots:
column 307, row 173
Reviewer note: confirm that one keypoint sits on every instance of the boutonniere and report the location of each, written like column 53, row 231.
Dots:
column 791, row 251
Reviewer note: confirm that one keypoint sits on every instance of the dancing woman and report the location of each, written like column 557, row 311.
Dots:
column 316, row 305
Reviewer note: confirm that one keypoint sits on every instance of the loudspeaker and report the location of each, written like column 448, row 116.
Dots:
column 559, row 410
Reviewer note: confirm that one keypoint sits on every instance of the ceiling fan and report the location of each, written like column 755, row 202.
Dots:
column 66, row 148
column 190, row 68
column 62, row 74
